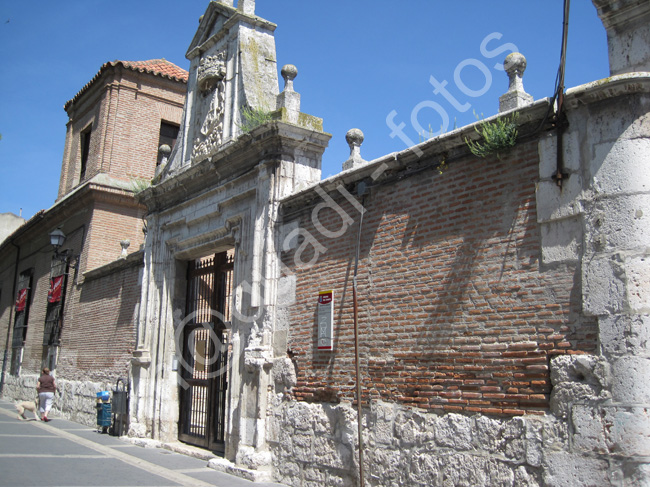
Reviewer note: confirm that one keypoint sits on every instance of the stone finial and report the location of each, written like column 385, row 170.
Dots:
column 354, row 138
column 246, row 6
column 289, row 100
column 125, row 245
column 230, row 3
column 516, row 96
column 289, row 73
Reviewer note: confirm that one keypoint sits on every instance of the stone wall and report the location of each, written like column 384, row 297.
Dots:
column 315, row 444
column 74, row 400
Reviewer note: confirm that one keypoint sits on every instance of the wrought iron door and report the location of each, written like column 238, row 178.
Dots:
column 205, row 352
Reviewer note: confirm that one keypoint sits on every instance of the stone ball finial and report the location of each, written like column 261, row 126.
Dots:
column 354, row 138
column 515, row 64
column 289, row 73
column 165, row 150
column 516, row 97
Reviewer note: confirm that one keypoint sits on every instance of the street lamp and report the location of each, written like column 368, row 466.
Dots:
column 57, row 237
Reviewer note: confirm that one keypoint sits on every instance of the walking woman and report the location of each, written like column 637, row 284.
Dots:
column 45, row 388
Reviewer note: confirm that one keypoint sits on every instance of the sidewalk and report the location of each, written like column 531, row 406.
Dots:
column 62, row 453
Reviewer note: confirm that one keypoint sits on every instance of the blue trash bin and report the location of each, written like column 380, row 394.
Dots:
column 104, row 417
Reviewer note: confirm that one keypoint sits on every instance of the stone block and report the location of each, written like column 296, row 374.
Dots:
column 280, row 342
column 589, row 429
column 300, row 416
column 459, row 469
column 302, row 446
column 548, row 154
column 455, row 431
column 334, row 480
column 624, row 334
column 385, row 466
column 331, row 454
column 567, row 470
column 619, row 223
column 567, row 394
column 621, row 167
column 612, row 430
column 628, row 50
column 637, row 271
column 603, row 285
column 383, row 432
column 631, row 380
column 636, row 473
column 286, row 291
column 627, row 431
column 424, row 470
column 623, row 118
column 555, row 202
column 523, row 478
column 587, row 369
column 488, row 434
column 561, row 240
column 326, row 419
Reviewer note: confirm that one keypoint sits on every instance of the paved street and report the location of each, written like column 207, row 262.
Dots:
column 62, row 453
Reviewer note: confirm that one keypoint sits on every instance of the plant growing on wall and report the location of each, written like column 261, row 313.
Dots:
column 253, row 117
column 138, row 185
column 496, row 137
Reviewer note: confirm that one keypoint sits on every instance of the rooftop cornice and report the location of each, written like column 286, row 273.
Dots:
column 234, row 159
column 151, row 67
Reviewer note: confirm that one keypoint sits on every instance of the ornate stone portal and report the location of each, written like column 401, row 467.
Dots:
column 219, row 193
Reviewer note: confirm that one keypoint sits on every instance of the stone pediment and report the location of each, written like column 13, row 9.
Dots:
column 233, row 70
column 216, row 23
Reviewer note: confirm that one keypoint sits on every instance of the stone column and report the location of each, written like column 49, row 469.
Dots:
column 628, row 34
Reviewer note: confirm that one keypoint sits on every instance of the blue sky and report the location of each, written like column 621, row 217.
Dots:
column 358, row 61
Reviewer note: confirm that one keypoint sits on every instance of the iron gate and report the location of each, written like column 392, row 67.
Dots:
column 205, row 352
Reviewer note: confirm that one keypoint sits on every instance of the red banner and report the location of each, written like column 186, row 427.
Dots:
column 21, row 300
column 56, row 285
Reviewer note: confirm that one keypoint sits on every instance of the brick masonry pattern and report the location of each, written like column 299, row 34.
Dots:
column 456, row 313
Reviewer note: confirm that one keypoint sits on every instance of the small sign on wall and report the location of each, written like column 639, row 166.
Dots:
column 325, row 320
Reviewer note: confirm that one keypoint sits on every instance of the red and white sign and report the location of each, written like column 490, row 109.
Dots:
column 21, row 300
column 325, row 320
column 56, row 287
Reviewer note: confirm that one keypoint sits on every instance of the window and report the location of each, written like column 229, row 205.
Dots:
column 168, row 135
column 85, row 151
column 21, row 311
column 54, row 315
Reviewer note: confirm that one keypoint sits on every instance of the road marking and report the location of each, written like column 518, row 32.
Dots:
column 8, row 435
column 48, row 455
column 125, row 457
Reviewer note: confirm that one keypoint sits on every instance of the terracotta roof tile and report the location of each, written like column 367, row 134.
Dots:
column 157, row 67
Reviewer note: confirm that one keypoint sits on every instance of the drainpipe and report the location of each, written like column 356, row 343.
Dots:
column 9, row 327
column 560, row 119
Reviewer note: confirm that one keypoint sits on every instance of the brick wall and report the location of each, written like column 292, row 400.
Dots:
column 125, row 109
column 100, row 336
column 110, row 224
column 455, row 311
